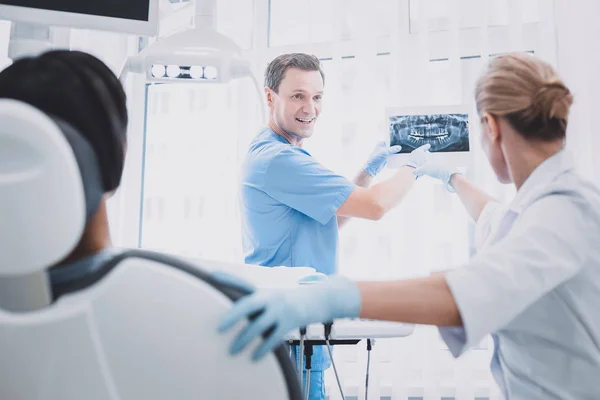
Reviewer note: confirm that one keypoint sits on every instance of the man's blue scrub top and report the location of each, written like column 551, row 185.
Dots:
column 289, row 202
column 288, row 205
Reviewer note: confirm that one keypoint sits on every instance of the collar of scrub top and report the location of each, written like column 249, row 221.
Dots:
column 278, row 137
column 536, row 183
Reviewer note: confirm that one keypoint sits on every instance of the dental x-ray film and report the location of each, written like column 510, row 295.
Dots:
column 445, row 132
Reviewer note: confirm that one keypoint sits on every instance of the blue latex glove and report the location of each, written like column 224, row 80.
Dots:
column 378, row 158
column 437, row 171
column 288, row 309
column 418, row 156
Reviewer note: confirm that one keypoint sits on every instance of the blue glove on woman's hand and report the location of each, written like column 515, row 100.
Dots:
column 378, row 158
column 418, row 156
column 282, row 310
column 437, row 171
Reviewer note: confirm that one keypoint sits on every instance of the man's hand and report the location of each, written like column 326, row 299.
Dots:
column 378, row 158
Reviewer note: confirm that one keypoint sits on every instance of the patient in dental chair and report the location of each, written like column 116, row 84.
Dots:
column 82, row 91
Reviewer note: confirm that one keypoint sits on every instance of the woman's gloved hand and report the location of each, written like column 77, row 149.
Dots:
column 418, row 156
column 282, row 310
column 378, row 158
column 437, row 171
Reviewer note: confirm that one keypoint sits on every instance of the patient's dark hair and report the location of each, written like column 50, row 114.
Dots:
column 81, row 90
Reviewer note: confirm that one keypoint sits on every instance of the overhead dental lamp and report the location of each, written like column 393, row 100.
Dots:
column 197, row 83
column 197, row 55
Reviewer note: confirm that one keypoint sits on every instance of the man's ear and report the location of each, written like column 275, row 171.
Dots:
column 493, row 131
column 269, row 96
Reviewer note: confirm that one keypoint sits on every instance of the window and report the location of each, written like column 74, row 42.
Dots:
column 235, row 20
column 194, row 139
column 321, row 21
column 499, row 13
column 292, row 22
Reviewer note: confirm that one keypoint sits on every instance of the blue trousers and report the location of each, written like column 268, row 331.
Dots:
column 316, row 389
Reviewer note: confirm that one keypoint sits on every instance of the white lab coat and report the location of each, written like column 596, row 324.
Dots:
column 535, row 286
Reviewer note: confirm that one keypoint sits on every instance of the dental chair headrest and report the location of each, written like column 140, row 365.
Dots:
column 50, row 187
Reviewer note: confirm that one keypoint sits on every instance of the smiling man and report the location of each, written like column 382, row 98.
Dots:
column 292, row 206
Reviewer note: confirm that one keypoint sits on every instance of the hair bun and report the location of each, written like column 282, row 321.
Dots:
column 553, row 101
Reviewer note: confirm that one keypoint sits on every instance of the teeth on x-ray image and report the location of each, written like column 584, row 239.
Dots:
column 444, row 132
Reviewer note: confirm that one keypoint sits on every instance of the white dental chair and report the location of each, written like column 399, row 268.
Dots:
column 144, row 326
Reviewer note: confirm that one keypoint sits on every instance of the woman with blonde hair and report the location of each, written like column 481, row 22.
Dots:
column 535, row 282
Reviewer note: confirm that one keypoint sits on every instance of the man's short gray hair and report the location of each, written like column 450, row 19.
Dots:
column 276, row 69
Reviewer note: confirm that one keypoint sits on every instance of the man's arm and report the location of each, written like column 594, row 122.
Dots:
column 362, row 179
column 373, row 203
column 473, row 198
column 294, row 178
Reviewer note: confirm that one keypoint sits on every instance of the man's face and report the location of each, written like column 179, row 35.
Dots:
column 297, row 105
